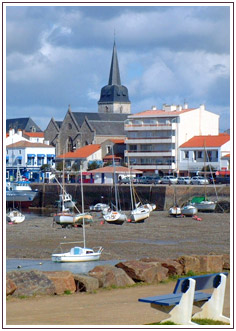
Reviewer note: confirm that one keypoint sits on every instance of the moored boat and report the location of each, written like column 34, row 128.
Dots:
column 175, row 211
column 189, row 210
column 78, row 254
column 20, row 192
column 203, row 204
column 115, row 217
column 15, row 216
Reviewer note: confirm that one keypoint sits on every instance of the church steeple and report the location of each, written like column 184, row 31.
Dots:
column 114, row 97
column 114, row 78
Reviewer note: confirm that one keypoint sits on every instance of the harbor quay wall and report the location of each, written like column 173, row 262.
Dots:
column 164, row 196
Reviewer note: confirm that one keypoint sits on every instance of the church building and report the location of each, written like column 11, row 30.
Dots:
column 84, row 128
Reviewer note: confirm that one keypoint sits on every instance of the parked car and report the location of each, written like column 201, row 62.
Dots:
column 184, row 180
column 149, row 180
column 125, row 180
column 222, row 180
column 169, row 180
column 199, row 180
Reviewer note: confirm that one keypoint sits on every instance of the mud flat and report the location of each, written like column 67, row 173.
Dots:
column 160, row 236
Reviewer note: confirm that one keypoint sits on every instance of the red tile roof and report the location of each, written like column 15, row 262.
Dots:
column 207, row 141
column 110, row 157
column 118, row 141
column 24, row 144
column 159, row 112
column 82, row 152
column 34, row 134
column 110, row 169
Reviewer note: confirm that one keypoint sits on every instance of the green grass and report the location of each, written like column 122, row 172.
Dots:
column 67, row 292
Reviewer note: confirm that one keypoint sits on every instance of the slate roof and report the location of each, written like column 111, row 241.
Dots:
column 114, row 91
column 24, row 124
column 58, row 123
column 103, row 124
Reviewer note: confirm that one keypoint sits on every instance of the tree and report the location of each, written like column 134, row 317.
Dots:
column 93, row 165
column 45, row 167
column 59, row 166
column 208, row 168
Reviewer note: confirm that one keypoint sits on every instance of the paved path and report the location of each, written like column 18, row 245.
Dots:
column 106, row 307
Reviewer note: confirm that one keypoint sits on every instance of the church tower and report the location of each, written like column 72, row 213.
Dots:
column 114, row 96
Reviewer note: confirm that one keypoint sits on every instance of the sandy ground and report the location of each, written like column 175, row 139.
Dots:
column 159, row 236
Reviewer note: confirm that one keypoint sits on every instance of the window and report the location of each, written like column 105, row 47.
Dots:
column 109, row 149
column 199, row 155
column 133, row 147
column 69, row 126
column 186, row 154
column 69, row 144
column 19, row 151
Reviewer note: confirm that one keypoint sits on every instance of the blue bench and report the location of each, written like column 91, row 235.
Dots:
column 179, row 304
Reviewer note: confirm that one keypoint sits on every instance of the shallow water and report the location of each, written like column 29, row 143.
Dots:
column 47, row 265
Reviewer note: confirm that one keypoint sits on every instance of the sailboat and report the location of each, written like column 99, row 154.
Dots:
column 14, row 215
column 175, row 210
column 77, row 253
column 66, row 217
column 115, row 216
column 202, row 203
column 138, row 212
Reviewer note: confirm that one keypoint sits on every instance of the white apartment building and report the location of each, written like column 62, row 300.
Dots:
column 28, row 157
column 154, row 136
column 203, row 151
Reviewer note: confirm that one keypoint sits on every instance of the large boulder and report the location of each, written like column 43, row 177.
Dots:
column 108, row 275
column 211, row 263
column 174, row 267
column 144, row 272
column 31, row 282
column 62, row 280
column 189, row 263
column 85, row 283
column 10, row 286
column 226, row 261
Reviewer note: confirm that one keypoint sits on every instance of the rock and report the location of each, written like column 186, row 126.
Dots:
column 174, row 267
column 110, row 276
column 62, row 280
column 32, row 282
column 10, row 286
column 85, row 283
column 226, row 261
column 211, row 263
column 189, row 263
column 143, row 271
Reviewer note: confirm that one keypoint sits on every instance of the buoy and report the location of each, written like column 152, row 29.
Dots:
column 40, row 263
column 102, row 222
column 19, row 266
column 129, row 220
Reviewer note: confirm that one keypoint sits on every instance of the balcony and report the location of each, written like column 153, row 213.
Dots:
column 150, row 140
column 147, row 126
column 170, row 152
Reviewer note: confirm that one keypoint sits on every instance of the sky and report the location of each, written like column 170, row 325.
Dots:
column 58, row 56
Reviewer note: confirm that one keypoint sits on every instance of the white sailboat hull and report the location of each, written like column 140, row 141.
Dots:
column 115, row 217
column 78, row 254
column 205, row 206
column 70, row 218
column 139, row 215
column 15, row 216
column 175, row 211
column 189, row 210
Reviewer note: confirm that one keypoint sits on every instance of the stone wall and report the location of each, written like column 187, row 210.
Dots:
column 34, row 282
column 163, row 196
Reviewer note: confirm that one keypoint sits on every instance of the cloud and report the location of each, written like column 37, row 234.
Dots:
column 61, row 55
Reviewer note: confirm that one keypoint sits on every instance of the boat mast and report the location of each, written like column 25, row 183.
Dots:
column 205, row 168
column 63, row 185
column 82, row 201
column 130, row 186
column 114, row 167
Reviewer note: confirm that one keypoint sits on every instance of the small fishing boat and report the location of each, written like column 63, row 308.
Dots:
column 66, row 219
column 189, row 210
column 175, row 211
column 78, row 254
column 15, row 216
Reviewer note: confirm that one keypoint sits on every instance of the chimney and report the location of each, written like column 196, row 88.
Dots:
column 19, row 132
column 154, row 108
column 185, row 105
column 202, row 107
column 11, row 132
column 46, row 142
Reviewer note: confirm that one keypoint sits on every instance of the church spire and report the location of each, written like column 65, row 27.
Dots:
column 114, row 78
